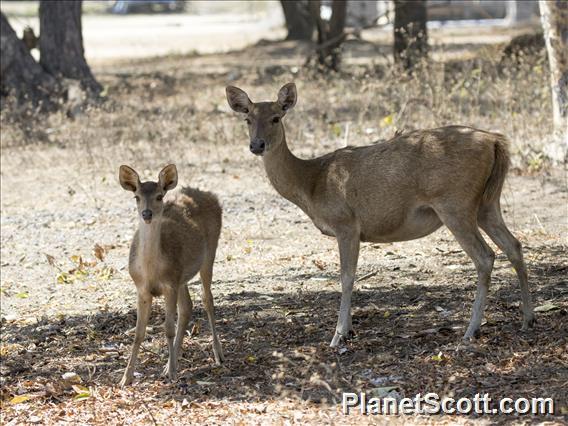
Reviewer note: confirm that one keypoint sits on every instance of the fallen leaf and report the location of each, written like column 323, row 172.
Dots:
column 320, row 264
column 71, row 378
column 439, row 358
column 387, row 121
column 50, row 259
column 169, row 404
column 546, row 307
column 336, row 130
column 19, row 398
column 64, row 278
column 99, row 252
column 106, row 273
column 196, row 328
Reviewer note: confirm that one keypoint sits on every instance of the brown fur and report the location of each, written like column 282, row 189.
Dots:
column 499, row 172
column 190, row 229
column 179, row 240
column 397, row 190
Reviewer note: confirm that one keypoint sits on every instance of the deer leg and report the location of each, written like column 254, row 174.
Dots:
column 464, row 228
column 206, row 278
column 142, row 316
column 169, row 325
column 185, row 312
column 348, row 256
column 492, row 223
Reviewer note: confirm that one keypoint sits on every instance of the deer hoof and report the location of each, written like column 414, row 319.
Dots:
column 471, row 335
column 337, row 339
column 218, row 354
column 170, row 373
column 125, row 381
column 528, row 322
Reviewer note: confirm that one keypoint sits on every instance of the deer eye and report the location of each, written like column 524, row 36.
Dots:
column 160, row 197
column 247, row 120
column 276, row 120
column 137, row 198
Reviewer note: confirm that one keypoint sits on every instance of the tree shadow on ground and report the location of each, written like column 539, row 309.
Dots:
column 276, row 345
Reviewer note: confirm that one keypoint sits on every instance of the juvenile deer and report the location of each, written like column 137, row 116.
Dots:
column 398, row 190
column 175, row 240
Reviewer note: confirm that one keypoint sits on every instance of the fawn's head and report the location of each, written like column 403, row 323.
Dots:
column 264, row 119
column 149, row 195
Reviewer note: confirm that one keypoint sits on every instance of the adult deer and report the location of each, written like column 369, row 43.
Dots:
column 399, row 190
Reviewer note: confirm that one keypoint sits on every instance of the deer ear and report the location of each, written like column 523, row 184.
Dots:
column 168, row 177
column 128, row 178
column 287, row 96
column 238, row 99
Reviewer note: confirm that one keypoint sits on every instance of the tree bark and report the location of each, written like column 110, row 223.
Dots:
column 330, row 34
column 410, row 32
column 554, row 17
column 299, row 22
column 21, row 76
column 61, row 43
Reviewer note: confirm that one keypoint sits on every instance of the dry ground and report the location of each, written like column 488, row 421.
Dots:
column 276, row 291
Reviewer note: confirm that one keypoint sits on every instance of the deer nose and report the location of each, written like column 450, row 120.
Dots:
column 147, row 215
column 257, row 146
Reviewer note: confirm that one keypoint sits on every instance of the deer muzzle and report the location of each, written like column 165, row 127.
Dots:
column 147, row 215
column 257, row 146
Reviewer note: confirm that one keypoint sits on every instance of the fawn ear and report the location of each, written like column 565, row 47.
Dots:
column 287, row 96
column 238, row 99
column 128, row 178
column 168, row 177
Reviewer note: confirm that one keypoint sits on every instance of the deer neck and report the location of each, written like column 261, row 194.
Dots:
column 291, row 176
column 149, row 237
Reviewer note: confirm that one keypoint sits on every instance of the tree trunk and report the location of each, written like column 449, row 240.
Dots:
column 554, row 17
column 410, row 32
column 61, row 43
column 299, row 22
column 330, row 34
column 21, row 76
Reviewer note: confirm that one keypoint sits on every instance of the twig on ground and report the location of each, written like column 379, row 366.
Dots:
column 149, row 412
column 367, row 276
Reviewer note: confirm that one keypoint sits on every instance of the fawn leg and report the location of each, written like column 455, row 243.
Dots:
column 185, row 312
column 206, row 278
column 169, row 325
column 143, row 314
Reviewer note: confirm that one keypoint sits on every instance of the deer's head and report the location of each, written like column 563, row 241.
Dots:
column 264, row 119
column 149, row 195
